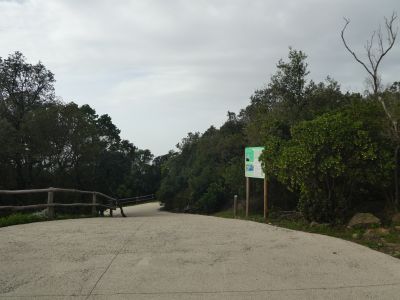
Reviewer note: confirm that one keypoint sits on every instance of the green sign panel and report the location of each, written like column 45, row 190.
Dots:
column 252, row 164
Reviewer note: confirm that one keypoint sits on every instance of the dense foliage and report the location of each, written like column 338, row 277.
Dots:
column 46, row 142
column 333, row 161
column 327, row 153
column 206, row 169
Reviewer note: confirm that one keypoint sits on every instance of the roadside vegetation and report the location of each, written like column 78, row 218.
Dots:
column 385, row 239
column 24, row 218
column 46, row 142
column 329, row 153
column 20, row 218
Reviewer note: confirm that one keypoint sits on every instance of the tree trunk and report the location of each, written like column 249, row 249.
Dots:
column 20, row 174
column 396, row 177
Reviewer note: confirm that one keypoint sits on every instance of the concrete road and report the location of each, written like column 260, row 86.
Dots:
column 158, row 255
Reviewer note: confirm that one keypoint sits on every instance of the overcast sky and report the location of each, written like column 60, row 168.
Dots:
column 163, row 68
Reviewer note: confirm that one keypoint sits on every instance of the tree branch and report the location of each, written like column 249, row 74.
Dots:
column 392, row 34
column 375, row 56
column 351, row 51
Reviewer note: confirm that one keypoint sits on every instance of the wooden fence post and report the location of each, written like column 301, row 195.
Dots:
column 235, row 205
column 50, row 201
column 94, row 207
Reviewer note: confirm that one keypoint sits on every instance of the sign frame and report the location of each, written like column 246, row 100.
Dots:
column 253, row 169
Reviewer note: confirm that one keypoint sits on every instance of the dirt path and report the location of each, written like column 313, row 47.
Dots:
column 158, row 255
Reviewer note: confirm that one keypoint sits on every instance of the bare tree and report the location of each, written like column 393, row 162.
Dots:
column 376, row 49
column 377, row 53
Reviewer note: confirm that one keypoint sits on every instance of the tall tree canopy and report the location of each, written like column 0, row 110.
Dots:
column 326, row 152
column 46, row 142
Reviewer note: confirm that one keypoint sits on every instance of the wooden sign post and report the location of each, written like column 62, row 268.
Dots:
column 247, row 195
column 265, row 198
column 253, row 169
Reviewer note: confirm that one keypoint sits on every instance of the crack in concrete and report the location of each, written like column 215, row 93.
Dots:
column 112, row 260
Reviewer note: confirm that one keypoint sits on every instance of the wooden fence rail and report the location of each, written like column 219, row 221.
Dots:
column 136, row 200
column 113, row 203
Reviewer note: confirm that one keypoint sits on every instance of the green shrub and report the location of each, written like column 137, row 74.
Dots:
column 212, row 200
column 330, row 160
column 20, row 218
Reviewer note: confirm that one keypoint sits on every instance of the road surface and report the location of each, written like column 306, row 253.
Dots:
column 158, row 255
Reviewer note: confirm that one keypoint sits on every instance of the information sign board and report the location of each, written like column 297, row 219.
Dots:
column 252, row 164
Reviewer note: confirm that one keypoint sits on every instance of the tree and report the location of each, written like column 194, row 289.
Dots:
column 289, row 82
column 207, row 171
column 46, row 142
column 330, row 160
column 376, row 50
column 390, row 100
column 23, row 88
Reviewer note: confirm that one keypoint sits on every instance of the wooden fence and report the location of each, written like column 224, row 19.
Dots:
column 112, row 203
column 136, row 200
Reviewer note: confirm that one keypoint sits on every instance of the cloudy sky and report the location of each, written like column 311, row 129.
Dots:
column 162, row 68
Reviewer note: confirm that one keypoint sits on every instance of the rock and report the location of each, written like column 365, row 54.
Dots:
column 316, row 224
column 363, row 220
column 396, row 219
column 355, row 236
column 375, row 233
column 382, row 231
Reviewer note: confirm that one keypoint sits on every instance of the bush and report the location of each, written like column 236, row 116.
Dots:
column 331, row 161
column 212, row 200
column 20, row 218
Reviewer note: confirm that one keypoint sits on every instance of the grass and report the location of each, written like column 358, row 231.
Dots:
column 386, row 240
column 25, row 218
column 19, row 218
